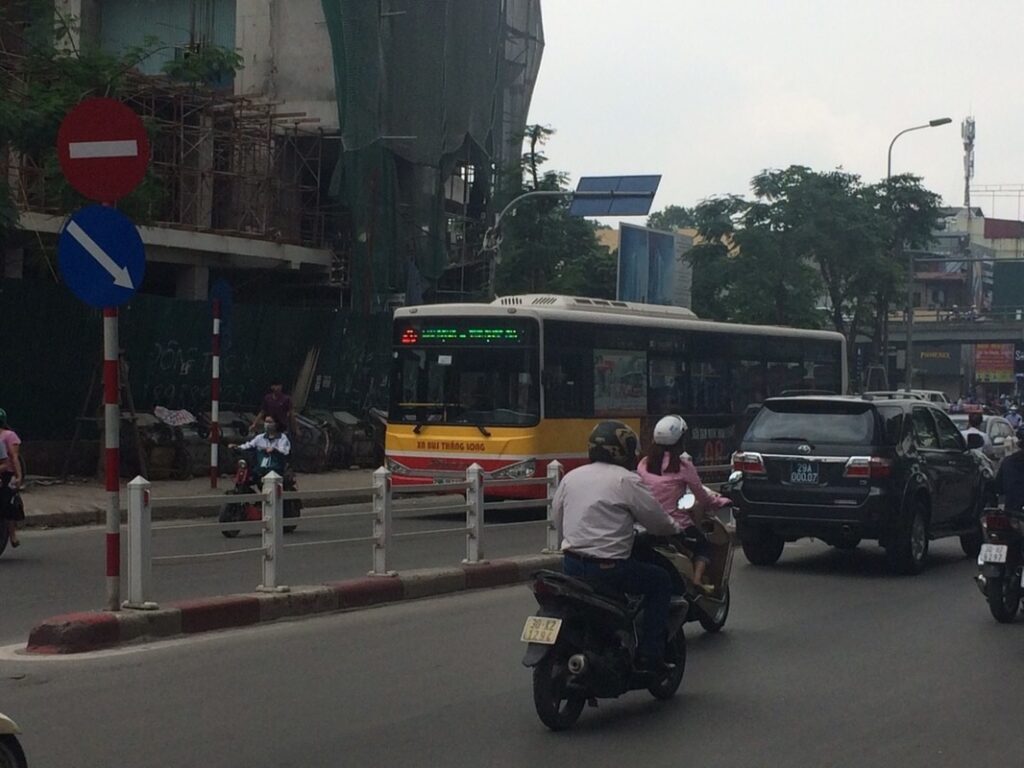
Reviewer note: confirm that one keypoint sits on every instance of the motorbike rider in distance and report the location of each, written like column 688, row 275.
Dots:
column 668, row 472
column 1009, row 482
column 595, row 509
column 272, row 448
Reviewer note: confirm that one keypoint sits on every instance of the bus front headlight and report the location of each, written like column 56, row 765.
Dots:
column 519, row 471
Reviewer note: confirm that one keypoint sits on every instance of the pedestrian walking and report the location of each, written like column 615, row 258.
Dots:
column 278, row 406
column 11, row 479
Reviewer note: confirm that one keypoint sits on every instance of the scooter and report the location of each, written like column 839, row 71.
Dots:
column 1000, row 562
column 247, row 482
column 583, row 647
column 711, row 609
column 11, row 753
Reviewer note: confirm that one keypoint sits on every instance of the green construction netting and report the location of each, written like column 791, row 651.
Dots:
column 419, row 83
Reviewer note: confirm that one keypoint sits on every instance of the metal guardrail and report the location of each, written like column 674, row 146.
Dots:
column 272, row 523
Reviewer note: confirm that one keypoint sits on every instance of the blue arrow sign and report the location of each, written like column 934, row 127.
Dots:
column 102, row 258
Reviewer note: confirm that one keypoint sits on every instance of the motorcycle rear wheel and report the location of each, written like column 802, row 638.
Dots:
column 714, row 622
column 230, row 513
column 11, row 753
column 675, row 653
column 555, row 708
column 4, row 536
column 1003, row 595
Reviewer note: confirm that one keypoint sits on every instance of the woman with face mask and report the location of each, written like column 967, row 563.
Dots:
column 272, row 448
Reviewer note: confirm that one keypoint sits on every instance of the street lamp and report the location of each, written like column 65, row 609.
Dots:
column 909, row 383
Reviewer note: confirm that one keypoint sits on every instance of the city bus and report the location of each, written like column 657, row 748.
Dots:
column 516, row 383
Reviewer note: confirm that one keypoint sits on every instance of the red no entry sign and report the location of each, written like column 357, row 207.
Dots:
column 103, row 149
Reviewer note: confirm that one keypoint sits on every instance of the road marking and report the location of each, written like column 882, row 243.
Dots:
column 89, row 150
column 119, row 273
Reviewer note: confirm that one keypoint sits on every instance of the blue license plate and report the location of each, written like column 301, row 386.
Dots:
column 804, row 473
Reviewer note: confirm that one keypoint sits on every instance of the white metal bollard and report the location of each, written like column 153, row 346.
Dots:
column 474, row 513
column 552, row 545
column 140, row 563
column 273, row 531
column 382, row 499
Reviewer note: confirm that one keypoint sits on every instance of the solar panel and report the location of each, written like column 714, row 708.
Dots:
column 614, row 195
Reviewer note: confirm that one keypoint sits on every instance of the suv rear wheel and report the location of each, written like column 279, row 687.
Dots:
column 761, row 546
column 907, row 549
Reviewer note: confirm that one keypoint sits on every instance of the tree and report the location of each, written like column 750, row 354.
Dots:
column 671, row 218
column 806, row 236
column 543, row 247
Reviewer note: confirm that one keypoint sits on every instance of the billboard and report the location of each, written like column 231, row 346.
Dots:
column 651, row 268
column 993, row 363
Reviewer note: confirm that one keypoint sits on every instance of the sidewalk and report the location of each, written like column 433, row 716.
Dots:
column 50, row 503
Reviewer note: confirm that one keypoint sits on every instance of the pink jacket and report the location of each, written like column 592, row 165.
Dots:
column 667, row 488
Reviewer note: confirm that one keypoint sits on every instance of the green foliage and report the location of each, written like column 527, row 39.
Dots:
column 543, row 248
column 206, row 64
column 805, row 236
column 671, row 218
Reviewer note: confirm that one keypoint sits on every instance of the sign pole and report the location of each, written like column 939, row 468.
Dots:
column 112, row 455
column 215, row 397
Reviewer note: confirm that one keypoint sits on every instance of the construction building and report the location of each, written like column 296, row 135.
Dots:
column 355, row 158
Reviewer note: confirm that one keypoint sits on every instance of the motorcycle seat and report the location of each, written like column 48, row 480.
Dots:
column 586, row 585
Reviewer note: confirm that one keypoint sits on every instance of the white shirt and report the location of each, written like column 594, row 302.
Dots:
column 261, row 442
column 596, row 507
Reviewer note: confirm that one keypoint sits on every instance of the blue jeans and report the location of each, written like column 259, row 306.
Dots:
column 636, row 578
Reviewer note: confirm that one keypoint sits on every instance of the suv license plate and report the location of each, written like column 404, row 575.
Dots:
column 992, row 553
column 804, row 473
column 540, row 629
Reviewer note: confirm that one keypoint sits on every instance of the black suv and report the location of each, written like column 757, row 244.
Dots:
column 843, row 469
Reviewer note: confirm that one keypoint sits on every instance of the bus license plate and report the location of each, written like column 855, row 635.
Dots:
column 804, row 473
column 993, row 553
column 540, row 629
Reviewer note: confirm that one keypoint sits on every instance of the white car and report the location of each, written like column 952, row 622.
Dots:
column 999, row 431
column 934, row 396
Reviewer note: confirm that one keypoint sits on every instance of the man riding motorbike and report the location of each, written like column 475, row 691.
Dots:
column 595, row 509
column 1009, row 482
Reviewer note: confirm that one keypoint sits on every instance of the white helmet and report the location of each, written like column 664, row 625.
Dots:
column 669, row 430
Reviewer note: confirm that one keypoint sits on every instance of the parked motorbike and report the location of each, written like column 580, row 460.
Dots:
column 249, row 480
column 583, row 646
column 711, row 609
column 1000, row 562
column 11, row 753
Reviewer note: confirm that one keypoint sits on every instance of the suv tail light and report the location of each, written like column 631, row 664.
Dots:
column 748, row 463
column 868, row 467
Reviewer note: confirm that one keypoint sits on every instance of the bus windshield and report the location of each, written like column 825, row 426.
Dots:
column 481, row 373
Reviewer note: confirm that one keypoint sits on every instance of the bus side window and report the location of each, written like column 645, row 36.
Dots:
column 668, row 387
column 568, row 387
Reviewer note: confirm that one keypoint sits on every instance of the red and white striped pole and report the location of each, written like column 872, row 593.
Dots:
column 112, row 454
column 215, row 397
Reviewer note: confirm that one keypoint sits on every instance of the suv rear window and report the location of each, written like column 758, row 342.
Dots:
column 814, row 422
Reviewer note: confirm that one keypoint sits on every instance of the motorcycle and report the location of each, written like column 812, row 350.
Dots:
column 11, row 753
column 247, row 481
column 19, row 506
column 583, row 646
column 1000, row 562
column 711, row 609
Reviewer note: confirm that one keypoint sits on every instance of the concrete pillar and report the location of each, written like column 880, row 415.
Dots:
column 89, row 16
column 193, row 282
column 254, row 40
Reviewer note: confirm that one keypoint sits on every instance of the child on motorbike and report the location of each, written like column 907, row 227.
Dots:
column 668, row 473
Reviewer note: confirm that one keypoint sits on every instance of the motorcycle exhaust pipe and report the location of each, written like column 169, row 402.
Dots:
column 577, row 663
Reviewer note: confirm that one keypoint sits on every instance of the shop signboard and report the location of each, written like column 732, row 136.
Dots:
column 994, row 363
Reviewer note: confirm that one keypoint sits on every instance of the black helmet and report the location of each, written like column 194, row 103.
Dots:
column 614, row 443
column 1020, row 438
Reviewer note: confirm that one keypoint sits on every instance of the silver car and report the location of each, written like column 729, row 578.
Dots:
column 1000, row 432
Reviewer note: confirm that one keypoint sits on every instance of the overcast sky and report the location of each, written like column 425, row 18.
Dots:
column 710, row 92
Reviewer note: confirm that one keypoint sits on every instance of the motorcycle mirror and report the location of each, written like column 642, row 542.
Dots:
column 735, row 477
column 687, row 502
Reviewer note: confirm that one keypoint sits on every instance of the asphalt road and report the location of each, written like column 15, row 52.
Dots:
column 826, row 661
column 62, row 570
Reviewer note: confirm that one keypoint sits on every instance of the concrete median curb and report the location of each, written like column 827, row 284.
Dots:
column 98, row 630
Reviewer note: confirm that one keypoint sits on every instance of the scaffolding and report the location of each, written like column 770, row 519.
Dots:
column 221, row 163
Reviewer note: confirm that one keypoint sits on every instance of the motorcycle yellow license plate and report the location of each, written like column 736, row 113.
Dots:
column 540, row 629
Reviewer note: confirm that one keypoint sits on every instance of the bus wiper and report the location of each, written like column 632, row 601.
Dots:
column 483, row 430
column 419, row 427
